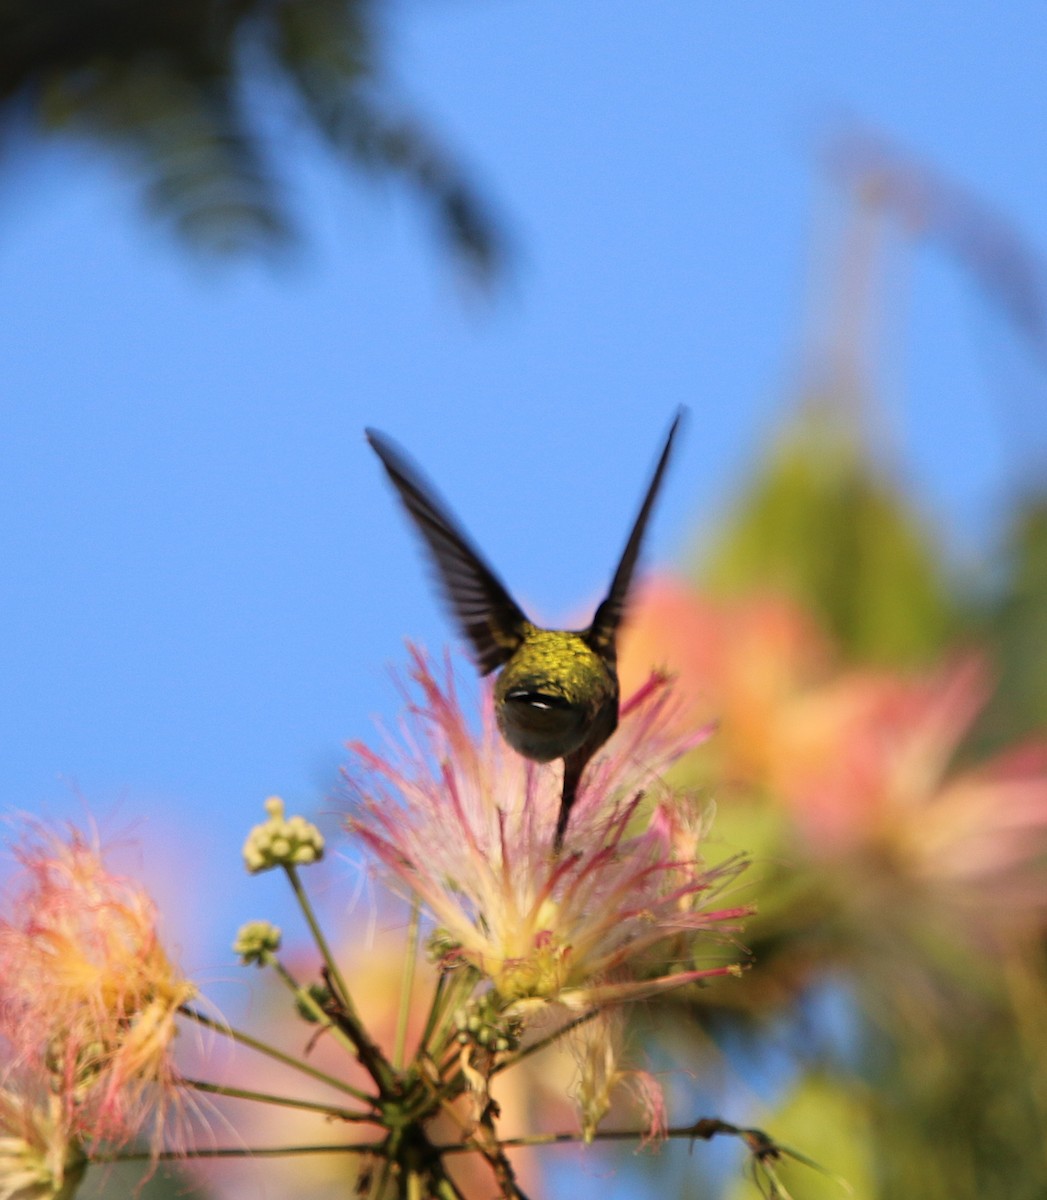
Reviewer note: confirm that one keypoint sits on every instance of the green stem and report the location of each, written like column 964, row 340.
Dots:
column 245, row 1039
column 447, row 1189
column 461, row 986
column 434, row 1010
column 407, row 983
column 330, row 1110
column 321, row 941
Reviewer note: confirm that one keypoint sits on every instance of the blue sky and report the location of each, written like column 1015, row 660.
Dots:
column 205, row 576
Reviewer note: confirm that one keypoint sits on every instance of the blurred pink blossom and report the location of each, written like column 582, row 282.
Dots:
column 88, row 996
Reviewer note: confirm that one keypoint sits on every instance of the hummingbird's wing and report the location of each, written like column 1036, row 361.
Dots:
column 601, row 633
column 486, row 613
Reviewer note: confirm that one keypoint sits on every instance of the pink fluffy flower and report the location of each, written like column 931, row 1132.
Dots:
column 88, row 996
column 467, row 825
column 871, row 761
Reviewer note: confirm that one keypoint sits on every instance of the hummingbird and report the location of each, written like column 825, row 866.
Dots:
column 557, row 693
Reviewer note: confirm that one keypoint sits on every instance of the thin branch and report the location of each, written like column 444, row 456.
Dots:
column 371, row 1057
column 236, row 1152
column 439, row 1026
column 761, row 1145
column 245, row 1039
column 329, row 1110
column 434, row 1009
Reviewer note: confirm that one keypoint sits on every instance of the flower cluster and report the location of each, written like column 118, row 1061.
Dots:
column 282, row 841
column 467, row 825
column 88, row 999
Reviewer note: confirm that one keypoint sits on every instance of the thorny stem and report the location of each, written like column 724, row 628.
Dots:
column 369, row 1054
column 407, row 983
column 486, row 1141
column 245, row 1039
column 765, row 1151
column 761, row 1145
column 330, row 1110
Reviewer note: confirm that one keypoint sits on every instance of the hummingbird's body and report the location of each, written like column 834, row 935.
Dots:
column 552, row 692
column 557, row 694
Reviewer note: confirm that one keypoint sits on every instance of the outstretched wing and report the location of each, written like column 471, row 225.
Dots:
column 486, row 613
column 602, row 632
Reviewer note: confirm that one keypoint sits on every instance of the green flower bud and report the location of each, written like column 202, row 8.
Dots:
column 256, row 941
column 282, row 841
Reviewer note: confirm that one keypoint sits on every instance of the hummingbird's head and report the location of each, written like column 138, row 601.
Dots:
column 550, row 693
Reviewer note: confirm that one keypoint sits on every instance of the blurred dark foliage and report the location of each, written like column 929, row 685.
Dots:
column 187, row 92
column 1016, row 628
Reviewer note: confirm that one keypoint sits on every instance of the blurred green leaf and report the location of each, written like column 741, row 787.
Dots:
column 122, row 1180
column 822, row 524
column 825, row 1120
column 1016, row 628
column 958, row 1115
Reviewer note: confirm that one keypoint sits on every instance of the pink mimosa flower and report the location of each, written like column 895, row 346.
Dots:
column 88, row 996
column 862, row 761
column 870, row 761
column 741, row 661
column 467, row 825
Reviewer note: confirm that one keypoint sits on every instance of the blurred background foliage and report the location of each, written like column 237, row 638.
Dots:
column 881, row 751
column 882, row 714
column 203, row 100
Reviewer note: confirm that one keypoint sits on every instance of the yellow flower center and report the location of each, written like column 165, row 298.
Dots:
column 541, row 973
